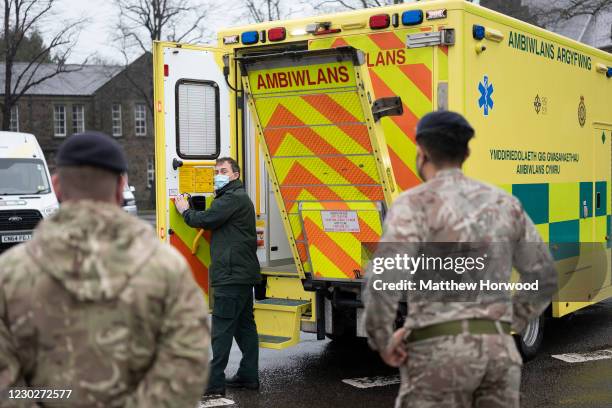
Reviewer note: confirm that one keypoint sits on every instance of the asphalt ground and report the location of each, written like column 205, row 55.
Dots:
column 311, row 374
column 328, row 374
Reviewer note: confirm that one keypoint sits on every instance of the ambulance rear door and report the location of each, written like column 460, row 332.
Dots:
column 191, row 130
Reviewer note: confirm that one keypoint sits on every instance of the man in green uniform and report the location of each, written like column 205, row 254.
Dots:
column 234, row 270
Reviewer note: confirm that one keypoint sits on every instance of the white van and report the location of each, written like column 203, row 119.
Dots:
column 26, row 193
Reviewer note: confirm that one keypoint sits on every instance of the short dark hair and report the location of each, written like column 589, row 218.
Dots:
column 445, row 136
column 87, row 182
column 232, row 162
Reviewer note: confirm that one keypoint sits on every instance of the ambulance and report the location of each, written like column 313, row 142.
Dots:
column 320, row 112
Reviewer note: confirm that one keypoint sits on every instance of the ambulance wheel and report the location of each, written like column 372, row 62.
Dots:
column 530, row 340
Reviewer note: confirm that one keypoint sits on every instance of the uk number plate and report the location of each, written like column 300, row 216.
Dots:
column 11, row 239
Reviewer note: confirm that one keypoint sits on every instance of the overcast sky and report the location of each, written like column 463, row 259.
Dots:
column 102, row 17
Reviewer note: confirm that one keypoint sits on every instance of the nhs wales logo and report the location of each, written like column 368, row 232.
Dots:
column 486, row 91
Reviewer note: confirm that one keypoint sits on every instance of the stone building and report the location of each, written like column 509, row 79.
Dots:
column 94, row 97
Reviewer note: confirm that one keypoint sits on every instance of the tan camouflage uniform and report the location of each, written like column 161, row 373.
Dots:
column 95, row 303
column 466, row 370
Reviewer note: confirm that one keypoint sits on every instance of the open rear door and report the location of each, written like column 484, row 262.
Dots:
column 191, row 131
column 325, row 154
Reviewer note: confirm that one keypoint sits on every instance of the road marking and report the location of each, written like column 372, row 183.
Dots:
column 371, row 382
column 216, row 402
column 582, row 357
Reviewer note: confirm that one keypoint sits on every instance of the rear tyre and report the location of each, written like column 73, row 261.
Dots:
column 530, row 341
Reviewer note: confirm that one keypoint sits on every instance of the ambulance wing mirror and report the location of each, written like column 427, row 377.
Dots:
column 390, row 106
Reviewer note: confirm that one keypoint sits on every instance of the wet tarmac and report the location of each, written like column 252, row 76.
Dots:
column 311, row 374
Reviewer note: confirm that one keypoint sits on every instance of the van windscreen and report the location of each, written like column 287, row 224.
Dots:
column 23, row 176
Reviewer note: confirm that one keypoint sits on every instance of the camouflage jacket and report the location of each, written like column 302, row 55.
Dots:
column 452, row 208
column 96, row 304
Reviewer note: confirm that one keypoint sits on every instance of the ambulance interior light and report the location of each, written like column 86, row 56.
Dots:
column 379, row 21
column 412, row 17
column 249, row 37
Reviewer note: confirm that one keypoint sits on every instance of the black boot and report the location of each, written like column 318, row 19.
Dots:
column 237, row 382
column 212, row 392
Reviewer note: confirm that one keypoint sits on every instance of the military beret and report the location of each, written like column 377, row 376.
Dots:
column 95, row 149
column 445, row 122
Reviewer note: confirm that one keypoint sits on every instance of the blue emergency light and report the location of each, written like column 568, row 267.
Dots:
column 478, row 32
column 609, row 74
column 249, row 37
column 412, row 17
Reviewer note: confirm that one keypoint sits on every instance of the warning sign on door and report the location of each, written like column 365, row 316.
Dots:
column 340, row 221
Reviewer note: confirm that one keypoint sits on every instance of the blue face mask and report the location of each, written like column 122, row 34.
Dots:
column 221, row 181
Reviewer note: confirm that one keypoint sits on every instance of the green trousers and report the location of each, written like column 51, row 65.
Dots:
column 233, row 319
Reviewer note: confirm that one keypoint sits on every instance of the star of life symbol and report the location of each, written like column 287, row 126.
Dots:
column 486, row 90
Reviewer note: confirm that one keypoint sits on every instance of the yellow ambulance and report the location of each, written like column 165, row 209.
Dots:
column 321, row 112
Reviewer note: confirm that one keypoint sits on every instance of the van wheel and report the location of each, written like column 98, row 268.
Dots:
column 530, row 340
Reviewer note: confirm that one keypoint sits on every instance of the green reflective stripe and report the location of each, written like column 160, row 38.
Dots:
column 600, row 189
column 586, row 199
column 535, row 200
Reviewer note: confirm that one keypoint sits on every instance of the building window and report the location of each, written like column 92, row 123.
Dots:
column 140, row 119
column 59, row 121
column 150, row 172
column 78, row 118
column 197, row 109
column 116, row 116
column 14, row 125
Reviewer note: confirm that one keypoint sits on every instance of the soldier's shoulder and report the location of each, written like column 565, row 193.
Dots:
column 16, row 265
column 413, row 195
column 499, row 195
column 164, row 259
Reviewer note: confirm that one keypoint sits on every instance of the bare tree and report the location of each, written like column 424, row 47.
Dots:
column 335, row 5
column 264, row 10
column 551, row 13
column 513, row 8
column 21, row 19
column 141, row 22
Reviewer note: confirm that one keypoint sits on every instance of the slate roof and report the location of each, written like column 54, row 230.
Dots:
column 79, row 81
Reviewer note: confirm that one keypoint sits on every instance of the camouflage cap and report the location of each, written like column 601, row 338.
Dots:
column 94, row 149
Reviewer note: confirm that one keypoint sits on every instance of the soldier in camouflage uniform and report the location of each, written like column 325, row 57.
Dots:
column 457, row 353
column 95, row 303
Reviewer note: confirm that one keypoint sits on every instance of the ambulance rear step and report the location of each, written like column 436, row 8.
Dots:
column 279, row 317
column 278, row 321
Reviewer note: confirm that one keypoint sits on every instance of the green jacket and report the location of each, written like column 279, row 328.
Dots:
column 233, row 247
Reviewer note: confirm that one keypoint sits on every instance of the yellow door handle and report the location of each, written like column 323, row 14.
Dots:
column 196, row 242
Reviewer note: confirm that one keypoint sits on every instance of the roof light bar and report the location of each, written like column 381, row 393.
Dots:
column 412, row 17
column 379, row 21
column 277, row 34
column 436, row 14
column 478, row 32
column 231, row 39
column 249, row 37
